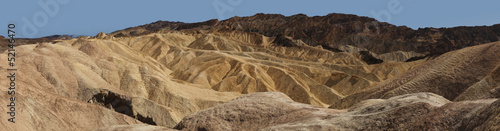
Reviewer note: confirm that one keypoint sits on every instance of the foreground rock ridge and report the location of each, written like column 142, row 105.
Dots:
column 276, row 111
column 262, row 72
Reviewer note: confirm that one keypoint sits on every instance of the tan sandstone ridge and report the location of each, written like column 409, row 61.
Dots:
column 87, row 73
column 160, row 78
column 276, row 111
column 467, row 74
column 227, row 78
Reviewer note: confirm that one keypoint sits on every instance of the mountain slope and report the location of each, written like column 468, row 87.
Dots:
column 455, row 75
column 282, row 70
column 335, row 31
column 276, row 111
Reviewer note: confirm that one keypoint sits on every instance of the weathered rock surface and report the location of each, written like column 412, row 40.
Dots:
column 334, row 31
column 101, row 35
column 86, row 70
column 466, row 74
column 276, row 111
column 372, row 74
column 39, row 109
column 245, row 63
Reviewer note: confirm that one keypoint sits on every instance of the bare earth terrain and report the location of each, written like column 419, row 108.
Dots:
column 263, row 72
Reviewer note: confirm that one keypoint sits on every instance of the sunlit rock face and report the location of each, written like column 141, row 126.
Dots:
column 263, row 72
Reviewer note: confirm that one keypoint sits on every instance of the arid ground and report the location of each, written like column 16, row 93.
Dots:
column 262, row 72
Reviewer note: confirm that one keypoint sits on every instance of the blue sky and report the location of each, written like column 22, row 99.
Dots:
column 89, row 17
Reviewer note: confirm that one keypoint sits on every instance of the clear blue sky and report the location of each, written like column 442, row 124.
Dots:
column 89, row 17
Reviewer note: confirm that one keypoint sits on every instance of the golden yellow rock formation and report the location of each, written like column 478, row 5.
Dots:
column 160, row 78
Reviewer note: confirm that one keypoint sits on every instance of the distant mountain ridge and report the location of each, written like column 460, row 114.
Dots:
column 336, row 30
column 263, row 72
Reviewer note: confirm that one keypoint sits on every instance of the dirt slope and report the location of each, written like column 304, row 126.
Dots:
column 267, row 72
column 465, row 74
column 276, row 111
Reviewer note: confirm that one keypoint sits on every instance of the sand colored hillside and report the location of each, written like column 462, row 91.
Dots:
column 276, row 111
column 245, row 63
column 199, row 77
column 467, row 74
column 39, row 109
column 100, row 72
column 160, row 78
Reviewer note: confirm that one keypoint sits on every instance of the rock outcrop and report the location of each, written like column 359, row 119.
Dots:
column 101, row 35
column 283, row 71
column 466, row 74
column 336, row 30
column 276, row 111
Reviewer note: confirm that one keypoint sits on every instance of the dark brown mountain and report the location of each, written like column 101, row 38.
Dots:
column 335, row 30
